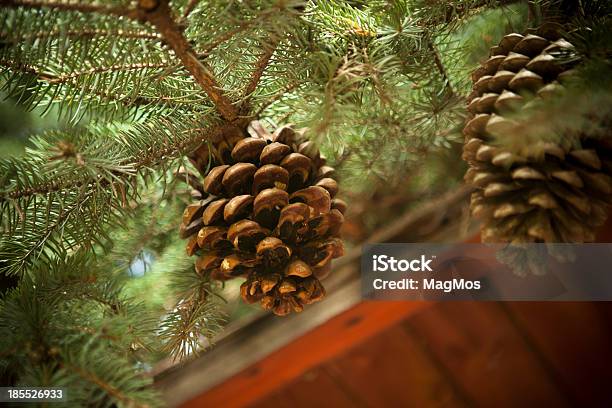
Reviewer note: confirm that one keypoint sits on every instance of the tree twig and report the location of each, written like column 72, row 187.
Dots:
column 118, row 11
column 260, row 67
column 460, row 10
column 144, row 161
column 161, row 18
column 226, row 36
column 190, row 6
column 278, row 96
column 102, row 69
column 89, row 33
column 440, row 65
column 109, row 389
column 123, row 99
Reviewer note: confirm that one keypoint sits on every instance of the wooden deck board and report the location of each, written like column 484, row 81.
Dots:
column 315, row 347
column 575, row 339
column 315, row 388
column 457, row 354
column 486, row 355
column 392, row 361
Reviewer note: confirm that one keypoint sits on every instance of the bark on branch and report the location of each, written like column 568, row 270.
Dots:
column 260, row 67
column 440, row 65
column 161, row 18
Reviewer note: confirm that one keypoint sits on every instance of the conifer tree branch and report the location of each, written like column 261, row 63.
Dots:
column 60, row 222
column 134, row 14
column 223, row 38
column 161, row 18
column 42, row 189
column 125, row 100
column 260, row 67
column 228, row 35
column 146, row 160
column 190, row 6
column 112, row 391
column 440, row 65
column 284, row 91
column 90, row 33
column 25, row 68
column 463, row 9
column 97, row 70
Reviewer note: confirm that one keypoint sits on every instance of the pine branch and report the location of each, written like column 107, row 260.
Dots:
column 440, row 65
column 190, row 7
column 118, row 11
column 103, row 69
column 105, row 76
column 127, row 101
column 86, row 32
column 108, row 388
column 71, row 221
column 187, row 138
column 169, row 32
column 260, row 67
column 59, row 224
column 26, row 69
column 279, row 95
column 452, row 12
column 195, row 318
column 82, row 197
column 161, row 18
column 228, row 35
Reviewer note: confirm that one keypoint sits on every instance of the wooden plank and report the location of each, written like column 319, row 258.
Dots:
column 328, row 340
column 391, row 369
column 605, row 310
column 277, row 399
column 487, row 356
column 315, row 388
column 574, row 340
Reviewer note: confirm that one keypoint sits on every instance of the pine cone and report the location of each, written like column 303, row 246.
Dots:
column 551, row 190
column 266, row 211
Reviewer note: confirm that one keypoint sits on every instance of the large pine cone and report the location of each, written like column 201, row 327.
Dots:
column 555, row 190
column 266, row 212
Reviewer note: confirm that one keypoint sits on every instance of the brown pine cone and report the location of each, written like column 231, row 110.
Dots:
column 555, row 190
column 266, row 212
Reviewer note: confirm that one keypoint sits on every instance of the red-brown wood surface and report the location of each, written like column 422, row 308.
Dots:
column 468, row 354
column 438, row 354
column 574, row 340
column 319, row 345
column 447, row 354
column 301, row 392
column 487, row 357
column 362, row 368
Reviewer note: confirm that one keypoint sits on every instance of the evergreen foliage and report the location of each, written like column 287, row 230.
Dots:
column 137, row 85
